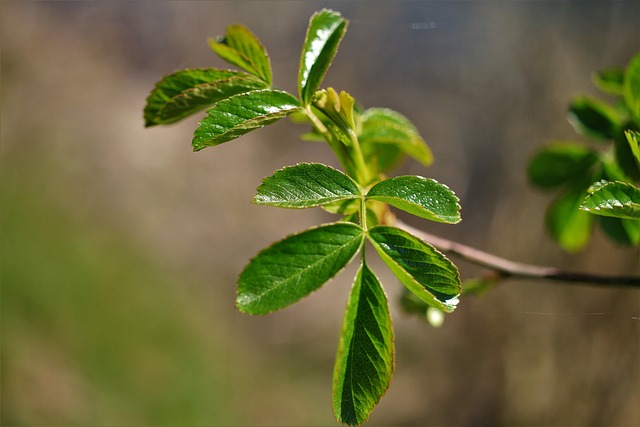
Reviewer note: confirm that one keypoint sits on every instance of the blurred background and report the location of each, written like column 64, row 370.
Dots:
column 121, row 247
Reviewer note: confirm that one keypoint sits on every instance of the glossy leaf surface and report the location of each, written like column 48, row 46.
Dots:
column 616, row 199
column 592, row 118
column 419, row 196
column 306, row 185
column 631, row 89
column 382, row 126
column 419, row 266
column 559, row 163
column 567, row 224
column 296, row 266
column 239, row 114
column 188, row 91
column 325, row 31
column 241, row 47
column 364, row 362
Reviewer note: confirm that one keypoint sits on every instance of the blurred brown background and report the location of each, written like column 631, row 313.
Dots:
column 120, row 246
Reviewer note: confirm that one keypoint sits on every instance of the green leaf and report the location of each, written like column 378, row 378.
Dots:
column 566, row 223
column 592, row 118
column 240, row 114
column 419, row 266
column 560, row 162
column 188, row 91
column 633, row 138
column 382, row 126
column 325, row 31
column 631, row 88
column 616, row 199
column 296, row 266
column 419, row 196
column 622, row 231
column 306, row 185
column 241, row 47
column 365, row 358
column 609, row 80
column 625, row 157
column 339, row 108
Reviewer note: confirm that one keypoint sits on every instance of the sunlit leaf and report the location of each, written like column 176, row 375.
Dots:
column 631, row 89
column 239, row 114
column 364, row 362
column 325, row 31
column 382, row 127
column 616, row 199
column 560, row 162
column 593, row 118
column 306, row 185
column 188, row 91
column 241, row 47
column 296, row 266
column 419, row 196
column 419, row 266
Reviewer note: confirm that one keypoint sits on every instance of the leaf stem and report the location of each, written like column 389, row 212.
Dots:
column 510, row 269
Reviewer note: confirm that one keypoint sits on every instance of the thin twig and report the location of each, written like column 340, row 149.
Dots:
column 507, row 268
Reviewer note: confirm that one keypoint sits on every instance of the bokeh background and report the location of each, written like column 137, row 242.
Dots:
column 120, row 246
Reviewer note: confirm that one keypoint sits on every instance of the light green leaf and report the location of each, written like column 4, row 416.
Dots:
column 306, row 185
column 188, row 91
column 239, row 114
column 631, row 88
column 382, row 127
column 616, row 199
column 625, row 157
column 365, row 358
column 419, row 266
column 419, row 196
column 633, row 138
column 296, row 266
column 609, row 80
column 560, row 162
column 325, row 31
column 567, row 224
column 241, row 47
column 593, row 118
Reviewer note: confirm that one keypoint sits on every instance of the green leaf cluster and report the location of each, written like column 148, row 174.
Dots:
column 367, row 143
column 597, row 183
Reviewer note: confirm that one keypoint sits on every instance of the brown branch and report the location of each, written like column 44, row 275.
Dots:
column 507, row 268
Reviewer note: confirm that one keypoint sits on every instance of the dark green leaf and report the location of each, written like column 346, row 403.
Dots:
column 187, row 91
column 381, row 126
column 625, row 157
column 239, row 114
column 419, row 266
column 559, row 163
column 306, row 185
column 419, row 196
column 296, row 266
column 622, row 231
column 631, row 89
column 241, row 47
column 325, row 31
column 616, row 199
column 593, row 118
column 568, row 225
column 633, row 138
column 364, row 362
column 609, row 80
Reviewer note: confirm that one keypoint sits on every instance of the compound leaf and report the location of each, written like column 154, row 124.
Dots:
column 296, row 266
column 631, row 88
column 419, row 266
column 241, row 47
column 419, row 196
column 239, row 114
column 566, row 223
column 306, row 185
column 616, row 199
column 383, row 127
column 325, row 31
column 364, row 362
column 188, row 91
column 560, row 162
column 593, row 118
